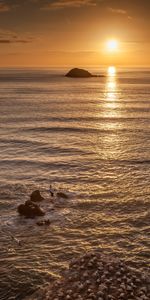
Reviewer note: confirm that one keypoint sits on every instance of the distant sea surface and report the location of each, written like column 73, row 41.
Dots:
column 89, row 138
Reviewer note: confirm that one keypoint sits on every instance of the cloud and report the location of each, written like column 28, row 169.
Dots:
column 4, row 41
column 61, row 4
column 10, row 37
column 8, row 5
column 119, row 11
column 4, row 7
column 12, row 41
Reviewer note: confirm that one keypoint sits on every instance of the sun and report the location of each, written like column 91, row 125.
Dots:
column 112, row 45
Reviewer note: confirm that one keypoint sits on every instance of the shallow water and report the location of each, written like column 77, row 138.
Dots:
column 89, row 138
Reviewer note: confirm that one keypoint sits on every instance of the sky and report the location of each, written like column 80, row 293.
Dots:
column 47, row 33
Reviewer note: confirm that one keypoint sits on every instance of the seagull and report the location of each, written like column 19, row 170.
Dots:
column 51, row 190
column 16, row 240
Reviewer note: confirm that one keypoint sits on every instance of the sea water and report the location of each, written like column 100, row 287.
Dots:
column 89, row 138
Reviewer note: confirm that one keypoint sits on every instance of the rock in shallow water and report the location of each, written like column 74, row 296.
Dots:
column 62, row 195
column 30, row 210
column 44, row 222
column 36, row 196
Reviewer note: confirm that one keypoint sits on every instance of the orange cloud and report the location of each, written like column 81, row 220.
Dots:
column 9, row 37
column 14, row 41
column 61, row 4
column 119, row 11
column 4, row 7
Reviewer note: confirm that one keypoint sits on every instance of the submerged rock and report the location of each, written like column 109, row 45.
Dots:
column 30, row 210
column 36, row 196
column 44, row 222
column 62, row 195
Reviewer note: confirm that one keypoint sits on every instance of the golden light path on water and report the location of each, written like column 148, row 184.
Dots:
column 111, row 87
column 110, row 146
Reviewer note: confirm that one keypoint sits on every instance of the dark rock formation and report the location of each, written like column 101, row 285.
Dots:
column 40, row 223
column 30, row 210
column 44, row 222
column 36, row 196
column 81, row 73
column 47, row 222
column 62, row 195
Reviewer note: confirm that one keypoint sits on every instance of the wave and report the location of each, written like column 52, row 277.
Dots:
column 84, row 129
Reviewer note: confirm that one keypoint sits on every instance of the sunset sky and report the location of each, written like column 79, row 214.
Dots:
column 74, row 32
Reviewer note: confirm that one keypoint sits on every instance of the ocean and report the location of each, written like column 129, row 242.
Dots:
column 89, row 138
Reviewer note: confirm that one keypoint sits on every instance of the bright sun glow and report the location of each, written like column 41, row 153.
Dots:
column 111, row 71
column 112, row 45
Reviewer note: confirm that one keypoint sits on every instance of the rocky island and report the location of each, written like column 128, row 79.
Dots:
column 81, row 73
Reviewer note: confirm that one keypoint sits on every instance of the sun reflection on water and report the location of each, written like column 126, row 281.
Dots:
column 109, row 145
column 111, row 85
column 112, row 94
column 111, row 71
